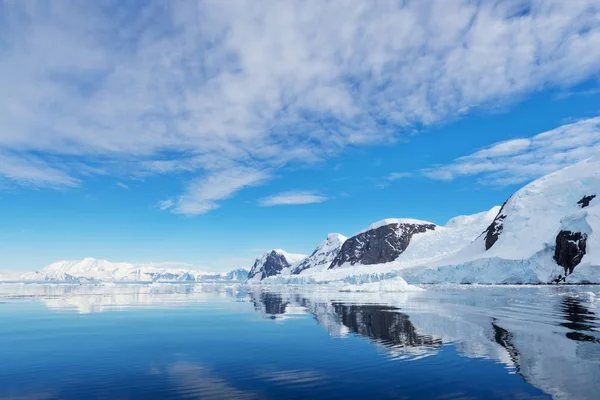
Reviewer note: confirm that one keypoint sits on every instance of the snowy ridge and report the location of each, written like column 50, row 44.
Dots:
column 92, row 270
column 390, row 221
column 472, row 220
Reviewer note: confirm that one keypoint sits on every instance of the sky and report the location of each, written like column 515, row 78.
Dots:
column 202, row 133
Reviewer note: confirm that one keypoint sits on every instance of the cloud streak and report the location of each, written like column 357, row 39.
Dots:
column 201, row 195
column 521, row 160
column 291, row 198
column 207, row 87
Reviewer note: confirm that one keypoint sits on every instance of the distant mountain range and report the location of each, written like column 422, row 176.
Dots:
column 90, row 270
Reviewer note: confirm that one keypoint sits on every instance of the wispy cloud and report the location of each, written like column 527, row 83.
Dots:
column 205, row 87
column 521, row 160
column 290, row 198
column 30, row 170
column 394, row 176
column 203, row 194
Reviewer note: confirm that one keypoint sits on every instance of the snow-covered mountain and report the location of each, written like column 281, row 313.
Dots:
column 272, row 263
column 92, row 270
column 547, row 231
column 385, row 246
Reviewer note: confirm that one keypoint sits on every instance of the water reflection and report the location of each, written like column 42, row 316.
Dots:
column 268, row 303
column 579, row 318
column 518, row 328
column 386, row 325
column 548, row 335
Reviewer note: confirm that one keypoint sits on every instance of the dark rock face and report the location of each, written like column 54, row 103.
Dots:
column 270, row 264
column 380, row 245
column 585, row 200
column 570, row 249
column 495, row 229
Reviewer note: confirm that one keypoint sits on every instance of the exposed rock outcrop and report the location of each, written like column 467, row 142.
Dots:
column 570, row 249
column 495, row 229
column 586, row 200
column 382, row 243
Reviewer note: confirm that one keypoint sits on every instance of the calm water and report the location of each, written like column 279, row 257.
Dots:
column 219, row 342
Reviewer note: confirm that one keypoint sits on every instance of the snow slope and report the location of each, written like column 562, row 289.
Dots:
column 527, row 228
column 92, row 270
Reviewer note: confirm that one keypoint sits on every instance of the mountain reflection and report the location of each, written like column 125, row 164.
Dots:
column 579, row 318
column 384, row 324
column 268, row 303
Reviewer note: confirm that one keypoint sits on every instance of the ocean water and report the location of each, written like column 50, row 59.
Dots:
column 239, row 342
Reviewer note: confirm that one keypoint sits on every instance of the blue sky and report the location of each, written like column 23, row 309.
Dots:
column 202, row 133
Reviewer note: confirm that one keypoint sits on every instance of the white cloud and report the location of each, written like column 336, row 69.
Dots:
column 290, row 198
column 33, row 171
column 394, row 176
column 521, row 160
column 202, row 194
column 166, row 204
column 204, row 87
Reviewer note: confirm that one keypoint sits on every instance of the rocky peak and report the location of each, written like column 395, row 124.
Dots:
column 271, row 263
